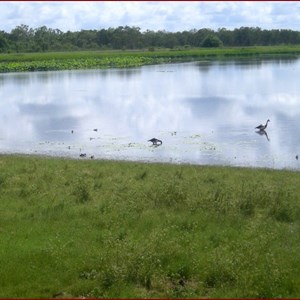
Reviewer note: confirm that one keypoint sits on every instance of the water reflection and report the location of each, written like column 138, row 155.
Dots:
column 203, row 112
column 263, row 133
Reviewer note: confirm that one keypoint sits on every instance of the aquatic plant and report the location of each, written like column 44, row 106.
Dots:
column 24, row 62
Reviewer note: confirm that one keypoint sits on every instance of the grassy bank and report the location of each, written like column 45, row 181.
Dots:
column 21, row 62
column 72, row 228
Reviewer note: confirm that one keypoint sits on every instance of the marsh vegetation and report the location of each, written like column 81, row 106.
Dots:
column 47, row 61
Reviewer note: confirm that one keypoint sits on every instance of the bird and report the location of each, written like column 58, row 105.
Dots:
column 155, row 141
column 82, row 154
column 297, row 157
column 263, row 127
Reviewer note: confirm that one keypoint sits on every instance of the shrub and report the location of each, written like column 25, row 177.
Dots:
column 211, row 41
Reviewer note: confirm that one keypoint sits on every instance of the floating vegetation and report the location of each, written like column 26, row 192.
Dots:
column 27, row 62
column 77, row 63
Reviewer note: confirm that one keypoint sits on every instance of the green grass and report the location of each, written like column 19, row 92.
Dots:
column 22, row 62
column 87, row 228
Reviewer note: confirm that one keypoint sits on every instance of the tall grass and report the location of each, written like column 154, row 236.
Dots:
column 79, row 228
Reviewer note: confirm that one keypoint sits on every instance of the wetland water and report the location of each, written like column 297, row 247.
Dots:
column 204, row 112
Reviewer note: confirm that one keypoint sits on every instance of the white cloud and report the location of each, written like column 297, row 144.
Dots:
column 153, row 15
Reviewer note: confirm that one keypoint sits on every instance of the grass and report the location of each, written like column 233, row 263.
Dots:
column 24, row 62
column 87, row 228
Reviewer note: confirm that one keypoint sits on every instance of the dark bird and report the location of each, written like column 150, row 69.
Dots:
column 82, row 154
column 297, row 157
column 95, row 129
column 263, row 127
column 155, row 141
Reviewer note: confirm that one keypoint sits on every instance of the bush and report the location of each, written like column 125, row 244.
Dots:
column 211, row 41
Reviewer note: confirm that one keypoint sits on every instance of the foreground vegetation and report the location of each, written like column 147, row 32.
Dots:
column 73, row 228
column 18, row 62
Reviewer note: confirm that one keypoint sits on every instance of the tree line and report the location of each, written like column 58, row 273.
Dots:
column 25, row 39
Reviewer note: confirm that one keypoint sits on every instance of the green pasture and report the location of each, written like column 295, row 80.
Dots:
column 89, row 228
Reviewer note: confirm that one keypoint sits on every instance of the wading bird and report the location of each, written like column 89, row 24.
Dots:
column 263, row 127
column 155, row 141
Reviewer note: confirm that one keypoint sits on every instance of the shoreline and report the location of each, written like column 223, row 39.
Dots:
column 56, row 61
column 141, row 162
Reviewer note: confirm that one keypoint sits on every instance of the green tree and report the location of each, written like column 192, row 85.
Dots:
column 86, row 39
column 225, row 36
column 200, row 35
column 22, row 38
column 170, row 41
column 211, row 41
column 41, row 37
column 4, row 46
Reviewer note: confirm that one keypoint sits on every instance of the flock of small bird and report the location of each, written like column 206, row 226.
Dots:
column 157, row 142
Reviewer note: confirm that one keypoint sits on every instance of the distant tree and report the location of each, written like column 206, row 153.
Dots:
column 25, row 39
column 225, row 36
column 43, row 38
column 4, row 46
column 87, row 39
column 21, row 38
column 200, row 35
column 149, row 38
column 211, row 41
column 170, row 40
column 104, row 37
column 160, row 38
column 247, row 36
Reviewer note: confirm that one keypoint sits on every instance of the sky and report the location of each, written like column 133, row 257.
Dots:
column 150, row 15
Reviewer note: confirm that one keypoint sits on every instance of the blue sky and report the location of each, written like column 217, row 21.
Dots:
column 152, row 15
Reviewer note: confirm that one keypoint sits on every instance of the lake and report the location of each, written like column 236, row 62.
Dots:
column 204, row 112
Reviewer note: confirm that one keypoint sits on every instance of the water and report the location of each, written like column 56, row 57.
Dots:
column 204, row 112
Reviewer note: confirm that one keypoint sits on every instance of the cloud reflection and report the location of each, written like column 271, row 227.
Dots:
column 213, row 113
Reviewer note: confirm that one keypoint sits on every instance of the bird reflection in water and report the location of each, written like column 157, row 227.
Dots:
column 263, row 132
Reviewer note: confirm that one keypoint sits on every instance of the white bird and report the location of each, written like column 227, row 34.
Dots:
column 263, row 127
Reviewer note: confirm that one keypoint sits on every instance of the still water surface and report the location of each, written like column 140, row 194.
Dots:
column 204, row 112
